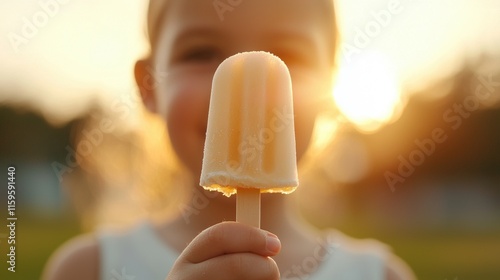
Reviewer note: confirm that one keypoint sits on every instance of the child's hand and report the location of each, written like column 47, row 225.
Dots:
column 228, row 250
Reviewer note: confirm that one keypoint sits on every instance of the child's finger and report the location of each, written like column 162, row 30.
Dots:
column 236, row 266
column 231, row 237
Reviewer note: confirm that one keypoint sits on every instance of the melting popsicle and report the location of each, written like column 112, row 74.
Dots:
column 250, row 140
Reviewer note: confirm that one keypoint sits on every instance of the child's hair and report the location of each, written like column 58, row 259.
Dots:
column 157, row 10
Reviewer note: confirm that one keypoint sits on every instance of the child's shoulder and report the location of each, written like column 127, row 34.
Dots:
column 350, row 248
column 81, row 257
column 352, row 245
column 77, row 259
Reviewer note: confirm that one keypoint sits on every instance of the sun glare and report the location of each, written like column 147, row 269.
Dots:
column 367, row 91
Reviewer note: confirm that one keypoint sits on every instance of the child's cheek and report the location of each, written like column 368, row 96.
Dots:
column 308, row 94
column 305, row 117
column 187, row 111
column 188, row 96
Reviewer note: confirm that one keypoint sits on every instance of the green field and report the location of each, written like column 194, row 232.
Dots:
column 36, row 239
column 452, row 254
column 433, row 254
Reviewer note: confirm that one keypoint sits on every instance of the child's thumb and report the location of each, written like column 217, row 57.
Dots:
column 231, row 237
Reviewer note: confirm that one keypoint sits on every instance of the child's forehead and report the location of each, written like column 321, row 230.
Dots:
column 224, row 14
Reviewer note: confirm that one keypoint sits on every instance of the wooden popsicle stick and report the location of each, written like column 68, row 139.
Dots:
column 248, row 206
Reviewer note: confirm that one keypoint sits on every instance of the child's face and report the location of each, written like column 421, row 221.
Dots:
column 195, row 39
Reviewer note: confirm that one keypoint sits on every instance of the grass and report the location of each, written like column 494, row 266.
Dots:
column 37, row 238
column 434, row 254
column 453, row 254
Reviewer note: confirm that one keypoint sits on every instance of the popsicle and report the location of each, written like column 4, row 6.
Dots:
column 250, row 139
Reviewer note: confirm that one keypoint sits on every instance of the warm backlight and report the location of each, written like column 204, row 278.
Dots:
column 367, row 91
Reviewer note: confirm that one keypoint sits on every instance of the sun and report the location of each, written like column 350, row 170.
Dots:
column 367, row 91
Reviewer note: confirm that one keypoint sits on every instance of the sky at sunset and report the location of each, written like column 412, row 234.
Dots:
column 81, row 50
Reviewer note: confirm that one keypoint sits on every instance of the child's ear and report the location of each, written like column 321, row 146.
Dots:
column 145, row 81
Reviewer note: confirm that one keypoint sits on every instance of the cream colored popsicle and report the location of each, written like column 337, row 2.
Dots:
column 250, row 141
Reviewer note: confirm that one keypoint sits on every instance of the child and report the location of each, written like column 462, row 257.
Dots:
column 189, row 39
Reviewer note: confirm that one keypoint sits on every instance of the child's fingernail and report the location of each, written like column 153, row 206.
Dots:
column 273, row 244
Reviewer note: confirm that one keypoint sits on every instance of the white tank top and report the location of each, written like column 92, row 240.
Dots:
column 139, row 254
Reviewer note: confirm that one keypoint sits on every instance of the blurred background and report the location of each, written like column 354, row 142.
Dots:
column 412, row 158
